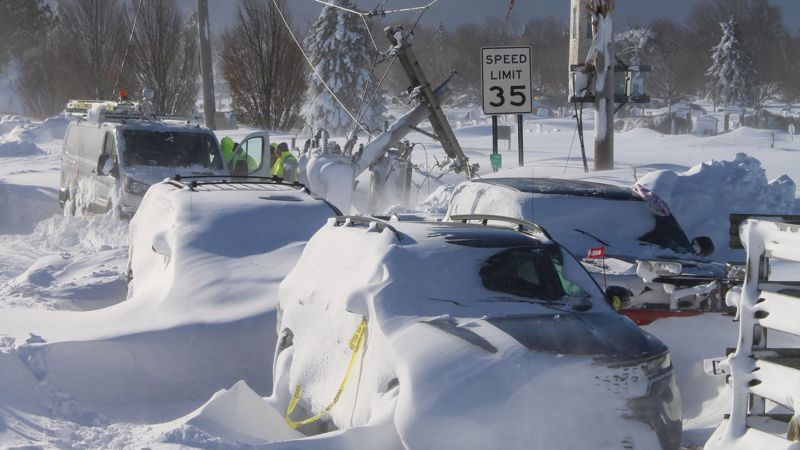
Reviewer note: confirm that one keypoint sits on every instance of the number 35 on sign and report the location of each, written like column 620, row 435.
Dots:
column 506, row 80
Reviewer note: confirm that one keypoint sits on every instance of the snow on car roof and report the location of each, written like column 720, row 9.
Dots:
column 466, row 234
column 563, row 187
column 155, row 126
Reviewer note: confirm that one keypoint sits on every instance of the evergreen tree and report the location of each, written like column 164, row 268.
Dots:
column 22, row 24
column 340, row 49
column 731, row 71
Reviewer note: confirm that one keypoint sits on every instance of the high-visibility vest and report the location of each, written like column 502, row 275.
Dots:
column 277, row 168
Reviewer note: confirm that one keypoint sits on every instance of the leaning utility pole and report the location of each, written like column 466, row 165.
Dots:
column 209, row 107
column 602, row 52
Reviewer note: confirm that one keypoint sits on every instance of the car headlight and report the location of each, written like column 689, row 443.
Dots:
column 649, row 270
column 657, row 365
column 736, row 271
column 135, row 187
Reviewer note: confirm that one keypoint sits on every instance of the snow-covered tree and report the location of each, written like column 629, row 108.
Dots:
column 731, row 72
column 340, row 49
column 631, row 43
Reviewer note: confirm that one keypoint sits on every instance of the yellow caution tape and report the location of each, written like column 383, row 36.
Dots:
column 355, row 344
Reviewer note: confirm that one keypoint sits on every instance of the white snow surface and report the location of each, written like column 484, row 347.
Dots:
column 85, row 367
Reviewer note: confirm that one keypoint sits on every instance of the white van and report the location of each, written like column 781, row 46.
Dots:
column 113, row 153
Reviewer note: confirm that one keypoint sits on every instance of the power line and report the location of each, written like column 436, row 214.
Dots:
column 124, row 57
column 378, row 11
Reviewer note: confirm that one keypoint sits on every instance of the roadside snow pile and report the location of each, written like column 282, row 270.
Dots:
column 9, row 122
column 90, row 233
column 24, row 206
column 235, row 415
column 703, row 197
column 52, row 128
column 81, row 262
column 18, row 142
column 740, row 137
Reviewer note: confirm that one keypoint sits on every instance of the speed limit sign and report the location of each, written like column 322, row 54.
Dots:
column 506, row 80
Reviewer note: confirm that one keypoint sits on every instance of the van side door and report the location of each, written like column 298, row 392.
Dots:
column 104, row 172
column 70, row 161
column 256, row 147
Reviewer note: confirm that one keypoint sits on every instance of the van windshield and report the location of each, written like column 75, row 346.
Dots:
column 170, row 149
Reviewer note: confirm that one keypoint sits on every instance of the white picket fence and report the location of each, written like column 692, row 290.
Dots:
column 763, row 377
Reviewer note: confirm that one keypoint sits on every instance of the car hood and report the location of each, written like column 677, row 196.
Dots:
column 610, row 338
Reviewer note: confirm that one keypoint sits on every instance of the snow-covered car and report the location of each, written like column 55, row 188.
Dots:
column 194, row 234
column 633, row 239
column 405, row 334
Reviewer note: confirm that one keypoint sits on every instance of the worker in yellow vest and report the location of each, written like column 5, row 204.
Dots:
column 285, row 164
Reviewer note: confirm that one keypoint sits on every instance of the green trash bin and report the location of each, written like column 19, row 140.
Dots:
column 497, row 161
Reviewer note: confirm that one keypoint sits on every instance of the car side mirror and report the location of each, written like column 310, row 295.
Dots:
column 703, row 245
column 105, row 165
column 618, row 297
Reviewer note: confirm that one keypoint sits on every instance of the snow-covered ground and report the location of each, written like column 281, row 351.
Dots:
column 80, row 367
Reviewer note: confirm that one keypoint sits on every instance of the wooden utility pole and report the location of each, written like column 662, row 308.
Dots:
column 603, row 56
column 203, row 32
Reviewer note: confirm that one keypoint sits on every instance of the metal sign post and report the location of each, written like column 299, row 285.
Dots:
column 791, row 131
column 496, row 159
column 507, row 88
column 519, row 140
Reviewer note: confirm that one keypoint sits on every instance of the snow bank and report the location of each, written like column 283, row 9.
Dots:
column 18, row 142
column 235, row 415
column 703, row 197
column 740, row 137
column 9, row 122
column 24, row 206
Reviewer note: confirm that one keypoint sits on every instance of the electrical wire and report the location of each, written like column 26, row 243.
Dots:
column 571, row 146
column 371, row 38
column 377, row 11
column 125, row 56
column 366, row 89
column 314, row 69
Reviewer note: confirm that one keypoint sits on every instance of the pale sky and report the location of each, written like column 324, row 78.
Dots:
column 455, row 12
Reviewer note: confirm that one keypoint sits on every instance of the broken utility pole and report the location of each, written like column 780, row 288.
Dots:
column 203, row 32
column 602, row 52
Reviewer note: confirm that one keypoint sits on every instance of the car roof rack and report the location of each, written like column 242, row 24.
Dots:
column 364, row 220
column 204, row 180
column 119, row 111
column 521, row 225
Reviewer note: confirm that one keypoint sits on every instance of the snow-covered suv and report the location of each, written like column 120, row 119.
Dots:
column 448, row 335
column 644, row 248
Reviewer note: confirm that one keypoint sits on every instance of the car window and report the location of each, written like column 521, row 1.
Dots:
column 110, row 147
column 624, row 227
column 254, row 148
column 530, row 272
column 170, row 149
column 668, row 234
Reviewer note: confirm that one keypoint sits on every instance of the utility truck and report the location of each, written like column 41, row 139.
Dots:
column 114, row 150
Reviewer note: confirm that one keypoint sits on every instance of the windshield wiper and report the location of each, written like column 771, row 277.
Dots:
column 593, row 237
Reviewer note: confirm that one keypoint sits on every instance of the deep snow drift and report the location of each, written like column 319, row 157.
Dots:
column 83, row 367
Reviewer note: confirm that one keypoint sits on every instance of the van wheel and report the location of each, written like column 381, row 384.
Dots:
column 69, row 206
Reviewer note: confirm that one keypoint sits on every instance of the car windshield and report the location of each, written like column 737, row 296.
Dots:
column 530, row 272
column 622, row 226
column 170, row 149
